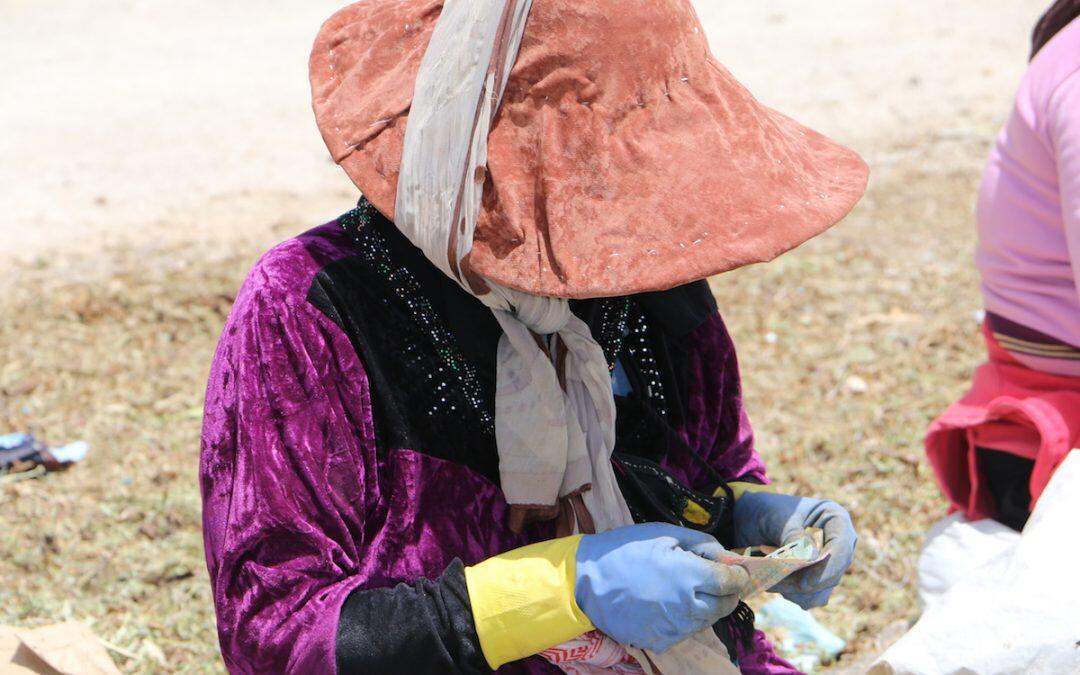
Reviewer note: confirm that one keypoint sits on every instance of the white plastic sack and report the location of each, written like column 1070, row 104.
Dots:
column 955, row 547
column 1018, row 611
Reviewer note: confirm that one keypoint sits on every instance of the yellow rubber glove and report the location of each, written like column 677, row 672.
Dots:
column 523, row 600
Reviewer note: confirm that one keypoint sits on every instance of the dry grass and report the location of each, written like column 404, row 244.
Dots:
column 116, row 349
column 118, row 356
column 849, row 347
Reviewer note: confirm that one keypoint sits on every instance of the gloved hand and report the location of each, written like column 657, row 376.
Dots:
column 653, row 585
column 775, row 519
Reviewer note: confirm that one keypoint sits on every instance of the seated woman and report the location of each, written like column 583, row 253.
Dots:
column 413, row 459
column 995, row 450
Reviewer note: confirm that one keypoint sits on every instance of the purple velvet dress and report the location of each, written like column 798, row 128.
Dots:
column 301, row 510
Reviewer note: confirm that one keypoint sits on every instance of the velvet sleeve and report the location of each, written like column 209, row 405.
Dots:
column 290, row 485
column 1064, row 129
column 716, row 425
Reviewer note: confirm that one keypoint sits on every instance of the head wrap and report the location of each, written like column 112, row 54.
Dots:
column 554, row 409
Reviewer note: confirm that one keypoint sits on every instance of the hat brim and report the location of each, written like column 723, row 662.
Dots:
column 593, row 190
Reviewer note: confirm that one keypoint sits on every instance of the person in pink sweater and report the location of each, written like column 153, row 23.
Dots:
column 995, row 450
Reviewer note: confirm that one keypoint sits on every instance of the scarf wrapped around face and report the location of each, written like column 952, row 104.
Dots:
column 554, row 407
column 554, row 411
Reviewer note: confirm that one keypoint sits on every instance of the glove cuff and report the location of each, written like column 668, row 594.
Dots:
column 523, row 600
column 738, row 489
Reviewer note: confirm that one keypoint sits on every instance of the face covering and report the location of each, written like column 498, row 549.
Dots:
column 554, row 410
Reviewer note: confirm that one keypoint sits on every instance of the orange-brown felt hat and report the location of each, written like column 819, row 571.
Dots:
column 624, row 158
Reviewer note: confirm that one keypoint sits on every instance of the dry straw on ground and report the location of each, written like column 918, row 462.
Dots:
column 849, row 346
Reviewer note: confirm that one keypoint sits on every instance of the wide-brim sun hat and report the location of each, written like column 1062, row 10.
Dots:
column 623, row 158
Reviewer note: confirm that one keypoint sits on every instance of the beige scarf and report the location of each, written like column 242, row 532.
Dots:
column 554, row 424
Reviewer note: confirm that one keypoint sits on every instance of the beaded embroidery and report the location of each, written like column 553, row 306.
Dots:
column 638, row 350
column 614, row 327
column 623, row 330
column 404, row 287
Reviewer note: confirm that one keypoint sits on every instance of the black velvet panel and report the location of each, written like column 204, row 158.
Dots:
column 429, row 347
column 426, row 395
column 422, row 628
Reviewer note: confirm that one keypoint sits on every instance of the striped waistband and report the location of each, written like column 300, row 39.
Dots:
column 1015, row 337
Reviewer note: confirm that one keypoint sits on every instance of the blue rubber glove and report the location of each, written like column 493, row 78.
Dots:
column 765, row 518
column 653, row 585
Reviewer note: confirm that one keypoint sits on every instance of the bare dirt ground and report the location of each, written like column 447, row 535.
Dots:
column 151, row 150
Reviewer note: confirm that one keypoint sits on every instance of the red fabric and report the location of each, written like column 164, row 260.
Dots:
column 1010, row 407
column 624, row 158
